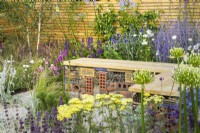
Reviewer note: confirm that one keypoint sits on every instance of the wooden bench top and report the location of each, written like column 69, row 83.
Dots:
column 155, row 86
column 121, row 64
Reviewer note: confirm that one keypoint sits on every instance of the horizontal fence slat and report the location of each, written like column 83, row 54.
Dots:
column 171, row 9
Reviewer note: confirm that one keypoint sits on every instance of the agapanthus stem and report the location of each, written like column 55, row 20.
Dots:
column 194, row 110
column 178, row 61
column 142, row 109
column 180, row 111
column 185, row 112
column 197, row 100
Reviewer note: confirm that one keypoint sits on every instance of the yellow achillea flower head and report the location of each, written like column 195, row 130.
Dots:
column 122, row 107
column 89, row 103
column 86, row 96
column 63, row 112
column 100, row 96
column 146, row 94
column 118, row 96
column 153, row 99
column 74, row 101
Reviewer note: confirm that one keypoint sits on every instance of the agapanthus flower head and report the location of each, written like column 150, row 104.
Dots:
column 176, row 52
column 187, row 75
column 194, row 59
column 143, row 77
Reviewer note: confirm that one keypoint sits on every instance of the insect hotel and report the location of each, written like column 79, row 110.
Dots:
column 93, row 76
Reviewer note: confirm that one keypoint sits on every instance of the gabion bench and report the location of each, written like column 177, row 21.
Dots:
column 92, row 76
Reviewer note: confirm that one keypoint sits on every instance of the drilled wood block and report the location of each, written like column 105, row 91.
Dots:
column 89, row 85
column 102, row 80
column 128, row 77
column 89, row 72
column 122, row 86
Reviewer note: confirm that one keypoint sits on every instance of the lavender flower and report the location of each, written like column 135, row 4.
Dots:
column 175, row 34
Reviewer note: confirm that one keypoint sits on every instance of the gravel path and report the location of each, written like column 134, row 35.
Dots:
column 23, row 101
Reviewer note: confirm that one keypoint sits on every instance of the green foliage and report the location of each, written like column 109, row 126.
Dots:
column 6, row 80
column 131, row 19
column 47, row 91
column 105, row 23
column 111, row 53
column 151, row 18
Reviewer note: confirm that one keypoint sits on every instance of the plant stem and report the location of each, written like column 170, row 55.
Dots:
column 142, row 109
column 180, row 111
column 39, row 26
column 68, row 88
column 194, row 110
column 178, row 62
column 185, row 111
column 197, row 99
column 63, row 78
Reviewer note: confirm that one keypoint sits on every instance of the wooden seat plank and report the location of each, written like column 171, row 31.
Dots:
column 121, row 64
column 169, row 88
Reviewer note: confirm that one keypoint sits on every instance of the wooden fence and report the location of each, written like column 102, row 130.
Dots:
column 59, row 27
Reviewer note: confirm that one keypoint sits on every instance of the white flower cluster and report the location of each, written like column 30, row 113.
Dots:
column 26, row 66
column 147, row 35
column 194, row 48
column 174, row 37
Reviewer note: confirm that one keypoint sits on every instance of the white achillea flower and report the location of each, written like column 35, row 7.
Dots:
column 190, row 48
column 174, row 37
column 26, row 66
column 32, row 61
column 157, row 52
column 145, row 35
column 144, row 42
column 189, row 39
column 149, row 33
column 134, row 35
